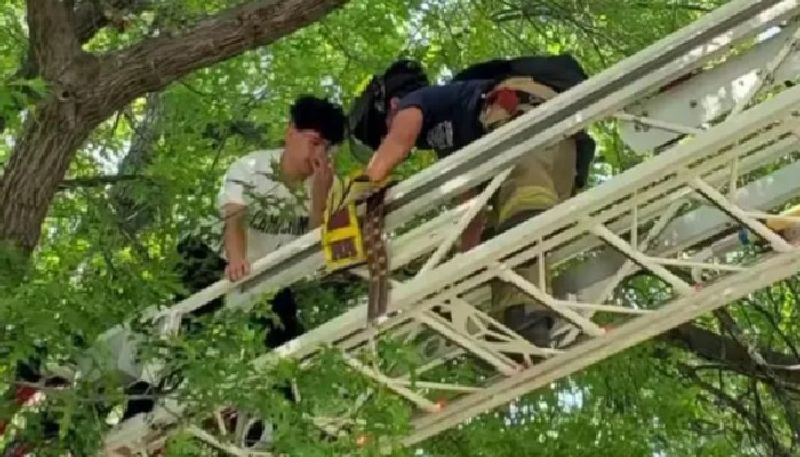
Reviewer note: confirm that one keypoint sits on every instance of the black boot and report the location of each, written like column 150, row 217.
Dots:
column 534, row 326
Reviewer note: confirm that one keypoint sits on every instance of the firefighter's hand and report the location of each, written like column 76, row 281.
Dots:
column 354, row 189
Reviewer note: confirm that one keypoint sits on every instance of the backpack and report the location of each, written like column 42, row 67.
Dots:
column 367, row 119
column 560, row 73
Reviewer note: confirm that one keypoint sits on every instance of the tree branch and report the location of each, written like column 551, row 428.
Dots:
column 717, row 348
column 89, row 17
column 91, row 88
column 156, row 62
column 53, row 43
column 92, row 181
column 762, row 428
column 92, row 15
column 135, row 210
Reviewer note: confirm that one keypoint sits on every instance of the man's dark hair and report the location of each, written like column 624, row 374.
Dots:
column 314, row 113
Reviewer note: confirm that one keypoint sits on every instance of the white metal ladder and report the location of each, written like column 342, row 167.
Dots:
column 658, row 217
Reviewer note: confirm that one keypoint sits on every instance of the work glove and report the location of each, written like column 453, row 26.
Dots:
column 352, row 190
column 777, row 224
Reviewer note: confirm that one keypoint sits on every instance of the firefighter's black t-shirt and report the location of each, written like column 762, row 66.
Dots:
column 450, row 121
column 450, row 114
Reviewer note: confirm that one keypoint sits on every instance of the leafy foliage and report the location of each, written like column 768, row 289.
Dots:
column 109, row 249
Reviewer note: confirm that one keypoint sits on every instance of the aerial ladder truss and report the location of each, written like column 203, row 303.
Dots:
column 724, row 146
column 675, row 216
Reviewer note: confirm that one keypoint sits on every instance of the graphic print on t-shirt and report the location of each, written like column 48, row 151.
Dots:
column 275, row 212
column 449, row 114
column 440, row 136
column 277, row 209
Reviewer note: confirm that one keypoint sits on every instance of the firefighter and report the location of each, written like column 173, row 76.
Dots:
column 399, row 111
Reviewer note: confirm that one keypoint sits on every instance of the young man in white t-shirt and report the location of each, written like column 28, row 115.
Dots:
column 267, row 198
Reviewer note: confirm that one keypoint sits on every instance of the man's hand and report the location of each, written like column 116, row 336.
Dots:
column 320, row 187
column 323, row 175
column 235, row 241
column 237, row 269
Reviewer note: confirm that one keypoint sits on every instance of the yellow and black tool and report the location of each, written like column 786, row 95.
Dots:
column 343, row 241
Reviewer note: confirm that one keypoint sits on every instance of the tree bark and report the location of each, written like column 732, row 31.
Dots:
column 87, row 89
column 88, row 17
column 52, row 41
column 92, row 15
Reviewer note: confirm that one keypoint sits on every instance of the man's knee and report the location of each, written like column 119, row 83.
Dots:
column 516, row 219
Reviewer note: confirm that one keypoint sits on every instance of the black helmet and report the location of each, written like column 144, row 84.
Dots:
column 367, row 120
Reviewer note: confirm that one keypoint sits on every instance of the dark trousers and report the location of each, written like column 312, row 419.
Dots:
column 199, row 268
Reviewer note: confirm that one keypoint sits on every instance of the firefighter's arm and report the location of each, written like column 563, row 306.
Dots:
column 395, row 147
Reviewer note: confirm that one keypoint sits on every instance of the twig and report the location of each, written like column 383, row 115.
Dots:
column 93, row 181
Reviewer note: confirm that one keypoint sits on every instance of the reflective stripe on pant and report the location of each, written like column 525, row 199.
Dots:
column 541, row 179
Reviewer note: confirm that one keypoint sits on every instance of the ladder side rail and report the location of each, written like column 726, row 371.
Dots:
column 702, row 301
column 562, row 114
column 788, row 183
column 558, row 217
column 706, row 96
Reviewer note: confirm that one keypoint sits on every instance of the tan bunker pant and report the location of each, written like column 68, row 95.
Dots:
column 541, row 179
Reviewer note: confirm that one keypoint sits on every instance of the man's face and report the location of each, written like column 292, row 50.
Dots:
column 304, row 146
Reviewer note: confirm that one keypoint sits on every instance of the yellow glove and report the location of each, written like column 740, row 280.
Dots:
column 778, row 224
column 353, row 190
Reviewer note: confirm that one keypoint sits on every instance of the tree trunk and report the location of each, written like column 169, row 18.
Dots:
column 35, row 170
column 87, row 89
